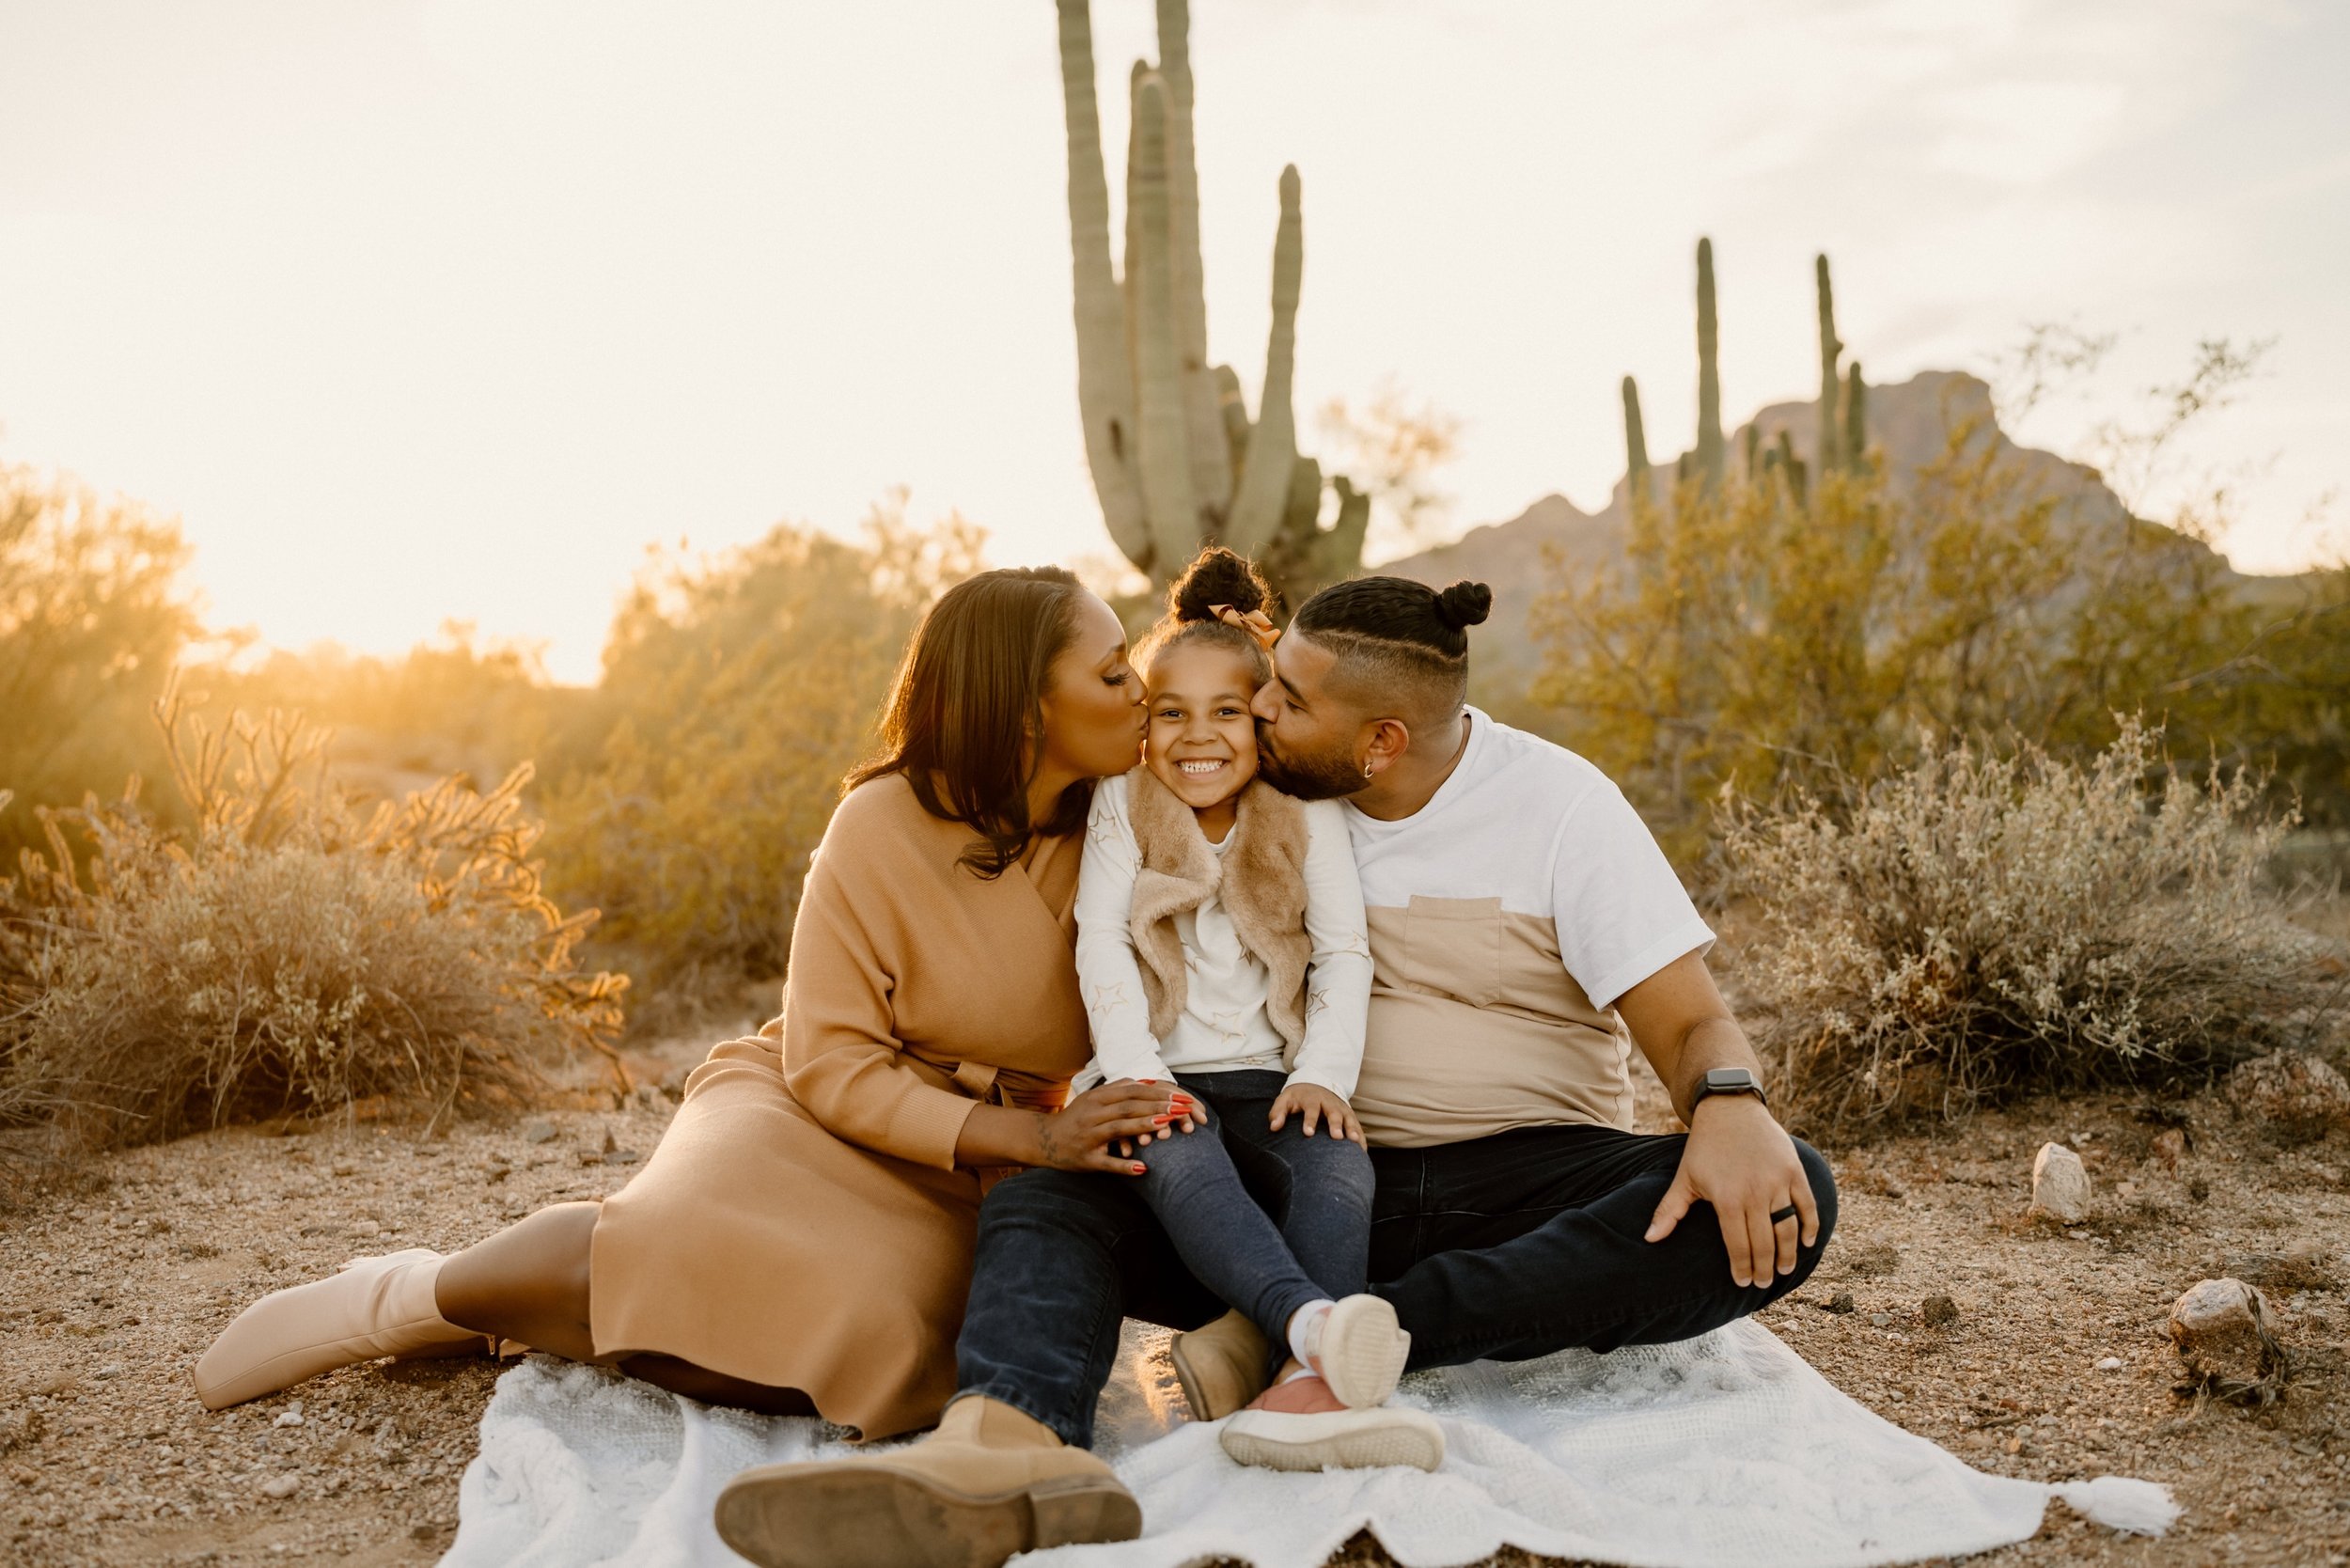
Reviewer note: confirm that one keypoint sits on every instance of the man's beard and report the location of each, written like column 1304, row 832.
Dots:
column 1324, row 777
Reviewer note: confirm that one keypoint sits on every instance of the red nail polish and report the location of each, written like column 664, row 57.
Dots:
column 1138, row 1170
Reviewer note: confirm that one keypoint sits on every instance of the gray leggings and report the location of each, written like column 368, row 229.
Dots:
column 1268, row 1221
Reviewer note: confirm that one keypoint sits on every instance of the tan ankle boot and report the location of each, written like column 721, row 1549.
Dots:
column 1221, row 1367
column 375, row 1306
column 989, row 1484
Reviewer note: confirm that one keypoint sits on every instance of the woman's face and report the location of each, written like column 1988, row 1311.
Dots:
column 1093, row 707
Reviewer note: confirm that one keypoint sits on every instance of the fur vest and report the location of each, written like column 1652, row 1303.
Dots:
column 1260, row 880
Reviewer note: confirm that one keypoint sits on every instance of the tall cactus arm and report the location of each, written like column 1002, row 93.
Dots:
column 1831, row 381
column 1211, row 454
column 1264, row 475
column 1338, row 551
column 1104, row 378
column 1710, row 449
column 1634, row 447
column 1856, row 419
column 1233, row 404
column 1168, row 498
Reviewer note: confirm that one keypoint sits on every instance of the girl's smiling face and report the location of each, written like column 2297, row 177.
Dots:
column 1201, row 743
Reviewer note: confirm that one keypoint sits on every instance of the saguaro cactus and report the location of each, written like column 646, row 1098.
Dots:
column 1176, row 460
column 1635, row 448
column 1709, row 448
column 1831, row 381
column 1856, row 419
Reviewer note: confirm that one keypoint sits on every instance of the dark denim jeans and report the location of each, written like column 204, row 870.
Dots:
column 1502, row 1248
column 1268, row 1221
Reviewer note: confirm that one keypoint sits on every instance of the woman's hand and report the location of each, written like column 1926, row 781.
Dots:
column 1316, row 1103
column 1089, row 1132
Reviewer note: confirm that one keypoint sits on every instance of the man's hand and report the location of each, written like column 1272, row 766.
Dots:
column 1739, row 1160
column 1314, row 1105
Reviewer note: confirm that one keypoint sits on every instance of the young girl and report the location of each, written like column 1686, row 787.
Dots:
column 1221, row 945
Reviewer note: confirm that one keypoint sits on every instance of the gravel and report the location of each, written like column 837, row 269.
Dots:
column 2055, row 1366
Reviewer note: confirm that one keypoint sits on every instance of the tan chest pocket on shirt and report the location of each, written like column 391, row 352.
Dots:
column 1452, row 947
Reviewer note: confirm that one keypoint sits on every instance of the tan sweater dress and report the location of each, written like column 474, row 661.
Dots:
column 803, row 1223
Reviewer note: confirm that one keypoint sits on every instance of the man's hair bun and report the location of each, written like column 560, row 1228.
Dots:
column 1464, row 605
column 1217, row 576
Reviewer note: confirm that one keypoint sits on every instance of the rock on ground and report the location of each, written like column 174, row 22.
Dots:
column 2060, row 1185
column 2221, row 1329
column 2293, row 1094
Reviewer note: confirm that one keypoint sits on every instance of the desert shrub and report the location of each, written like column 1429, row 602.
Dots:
column 456, row 703
column 93, row 613
column 282, row 955
column 1767, row 639
column 1976, row 925
column 737, row 693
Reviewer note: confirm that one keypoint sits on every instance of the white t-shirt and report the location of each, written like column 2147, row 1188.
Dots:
column 1223, row 1026
column 1506, row 918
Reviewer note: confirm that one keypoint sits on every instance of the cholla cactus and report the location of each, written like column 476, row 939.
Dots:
column 1177, row 462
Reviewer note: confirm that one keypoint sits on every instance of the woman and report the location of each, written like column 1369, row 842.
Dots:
column 801, row 1239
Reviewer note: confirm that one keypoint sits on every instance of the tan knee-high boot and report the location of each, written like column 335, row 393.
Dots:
column 375, row 1306
column 990, row 1482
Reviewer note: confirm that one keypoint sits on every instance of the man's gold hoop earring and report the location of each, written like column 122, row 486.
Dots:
column 1366, row 770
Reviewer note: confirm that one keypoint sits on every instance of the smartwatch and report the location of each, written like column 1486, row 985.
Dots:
column 1726, row 1080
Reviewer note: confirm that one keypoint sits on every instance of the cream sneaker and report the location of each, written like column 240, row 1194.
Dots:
column 1334, row 1440
column 990, row 1484
column 376, row 1306
column 1360, row 1350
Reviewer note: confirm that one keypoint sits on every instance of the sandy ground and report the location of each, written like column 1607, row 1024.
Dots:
column 107, row 1294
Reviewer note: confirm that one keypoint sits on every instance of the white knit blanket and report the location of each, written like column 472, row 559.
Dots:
column 1724, row 1450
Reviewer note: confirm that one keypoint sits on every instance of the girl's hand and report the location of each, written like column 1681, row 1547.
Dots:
column 1087, row 1133
column 1315, row 1103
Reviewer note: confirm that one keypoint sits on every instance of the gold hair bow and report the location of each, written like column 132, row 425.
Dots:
column 1255, row 622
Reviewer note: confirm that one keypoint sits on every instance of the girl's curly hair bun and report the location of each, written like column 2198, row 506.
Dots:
column 1217, row 576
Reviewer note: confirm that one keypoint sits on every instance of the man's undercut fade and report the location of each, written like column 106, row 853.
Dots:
column 1399, row 644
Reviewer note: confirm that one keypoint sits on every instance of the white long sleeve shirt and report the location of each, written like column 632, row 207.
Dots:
column 1222, row 1027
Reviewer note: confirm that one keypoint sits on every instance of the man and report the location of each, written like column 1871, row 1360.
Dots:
column 1518, row 908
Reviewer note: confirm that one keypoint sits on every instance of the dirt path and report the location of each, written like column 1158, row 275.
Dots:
column 106, row 1296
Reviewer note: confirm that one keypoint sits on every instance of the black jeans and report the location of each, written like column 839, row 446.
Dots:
column 1503, row 1248
column 1268, row 1221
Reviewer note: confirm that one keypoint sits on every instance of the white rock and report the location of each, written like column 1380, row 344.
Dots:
column 281, row 1486
column 291, row 1416
column 2060, row 1185
column 2220, row 1328
column 2111, row 1363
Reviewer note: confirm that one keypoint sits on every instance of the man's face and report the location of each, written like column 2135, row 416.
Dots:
column 1308, row 738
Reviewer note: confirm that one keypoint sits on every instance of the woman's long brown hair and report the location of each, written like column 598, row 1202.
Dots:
column 965, row 720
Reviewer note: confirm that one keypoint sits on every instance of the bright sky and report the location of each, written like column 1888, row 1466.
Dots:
column 419, row 308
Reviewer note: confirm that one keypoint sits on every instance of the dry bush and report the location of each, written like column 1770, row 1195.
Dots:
column 284, row 956
column 737, row 693
column 1975, row 925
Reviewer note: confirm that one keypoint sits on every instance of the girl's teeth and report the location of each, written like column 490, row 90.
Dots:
column 1198, row 767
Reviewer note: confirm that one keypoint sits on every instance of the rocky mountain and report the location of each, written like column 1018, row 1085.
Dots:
column 1533, row 554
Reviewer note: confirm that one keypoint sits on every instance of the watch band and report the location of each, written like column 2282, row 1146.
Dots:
column 1726, row 1080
